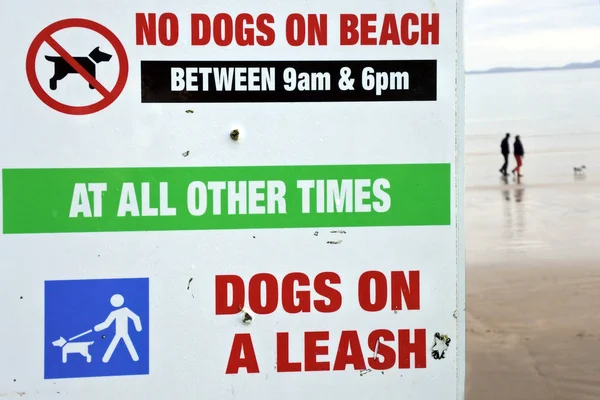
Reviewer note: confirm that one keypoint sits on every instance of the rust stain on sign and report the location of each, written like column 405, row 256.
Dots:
column 441, row 344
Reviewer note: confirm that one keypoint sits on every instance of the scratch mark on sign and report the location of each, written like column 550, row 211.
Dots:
column 342, row 232
column 364, row 371
column 376, row 350
column 334, row 242
column 316, row 233
column 189, row 111
column 189, row 283
column 185, row 153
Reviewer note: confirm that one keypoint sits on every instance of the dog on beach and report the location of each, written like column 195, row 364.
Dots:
column 73, row 348
column 579, row 170
column 62, row 68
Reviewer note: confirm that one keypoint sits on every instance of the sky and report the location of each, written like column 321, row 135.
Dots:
column 530, row 33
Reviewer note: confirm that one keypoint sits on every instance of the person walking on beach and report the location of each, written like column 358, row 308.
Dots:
column 505, row 150
column 519, row 153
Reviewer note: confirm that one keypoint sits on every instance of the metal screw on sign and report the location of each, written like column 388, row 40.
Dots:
column 246, row 317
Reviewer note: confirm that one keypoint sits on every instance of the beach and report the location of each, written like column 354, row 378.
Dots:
column 533, row 276
column 533, row 327
column 533, row 333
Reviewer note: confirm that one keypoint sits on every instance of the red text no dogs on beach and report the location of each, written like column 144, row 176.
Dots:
column 69, row 61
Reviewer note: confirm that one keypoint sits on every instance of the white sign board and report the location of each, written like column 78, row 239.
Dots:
column 228, row 201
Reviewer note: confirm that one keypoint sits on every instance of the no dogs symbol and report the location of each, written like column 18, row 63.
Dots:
column 85, row 69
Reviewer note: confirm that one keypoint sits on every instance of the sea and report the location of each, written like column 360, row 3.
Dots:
column 552, row 213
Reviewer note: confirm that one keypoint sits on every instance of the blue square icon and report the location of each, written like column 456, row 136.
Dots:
column 96, row 327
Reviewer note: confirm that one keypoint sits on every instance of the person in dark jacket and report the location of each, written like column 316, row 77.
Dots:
column 505, row 150
column 519, row 153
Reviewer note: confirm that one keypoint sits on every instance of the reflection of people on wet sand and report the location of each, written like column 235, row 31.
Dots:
column 518, row 190
column 121, row 318
column 519, row 194
column 519, row 153
column 505, row 150
column 505, row 191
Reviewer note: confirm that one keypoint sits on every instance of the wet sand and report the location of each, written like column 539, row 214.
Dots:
column 533, row 278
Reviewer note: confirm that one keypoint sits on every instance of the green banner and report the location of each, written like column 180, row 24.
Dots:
column 198, row 198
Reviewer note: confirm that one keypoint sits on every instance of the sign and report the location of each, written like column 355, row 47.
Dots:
column 284, row 81
column 96, row 327
column 228, row 203
column 199, row 198
column 84, row 66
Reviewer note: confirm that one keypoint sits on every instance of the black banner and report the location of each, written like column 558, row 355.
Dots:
column 287, row 81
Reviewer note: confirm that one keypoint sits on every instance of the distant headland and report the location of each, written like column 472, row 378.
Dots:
column 504, row 70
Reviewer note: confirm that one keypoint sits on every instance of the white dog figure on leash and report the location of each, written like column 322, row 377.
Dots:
column 73, row 348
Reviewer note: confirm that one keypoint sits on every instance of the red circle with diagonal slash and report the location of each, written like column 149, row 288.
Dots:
column 108, row 96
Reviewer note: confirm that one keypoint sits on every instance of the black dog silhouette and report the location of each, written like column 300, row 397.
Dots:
column 62, row 68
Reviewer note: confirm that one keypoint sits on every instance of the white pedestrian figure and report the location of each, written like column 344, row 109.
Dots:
column 121, row 317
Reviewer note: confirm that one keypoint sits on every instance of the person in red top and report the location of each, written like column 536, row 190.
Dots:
column 519, row 153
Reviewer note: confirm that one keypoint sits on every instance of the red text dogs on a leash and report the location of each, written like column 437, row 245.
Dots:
column 66, row 63
column 325, row 350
